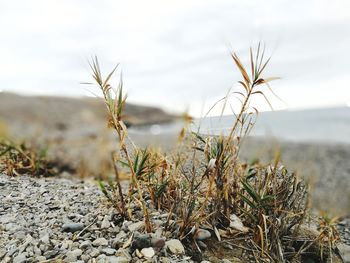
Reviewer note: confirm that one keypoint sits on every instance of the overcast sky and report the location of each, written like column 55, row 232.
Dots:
column 175, row 54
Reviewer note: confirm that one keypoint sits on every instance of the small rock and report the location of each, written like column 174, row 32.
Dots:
column 201, row 244
column 20, row 235
column 164, row 260
column 136, row 226
column 148, row 252
column 44, row 237
column 109, row 251
column 20, row 258
column 85, row 244
column 157, row 243
column 37, row 251
column 175, row 246
column 101, row 258
column 114, row 259
column 344, row 252
column 105, row 223
column 85, row 258
column 72, row 227
column 72, row 256
column 100, row 242
column 120, row 235
column 40, row 258
column 94, row 252
column 50, row 254
column 202, row 234
column 140, row 241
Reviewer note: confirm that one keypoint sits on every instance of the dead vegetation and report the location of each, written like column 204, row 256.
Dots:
column 204, row 185
column 21, row 159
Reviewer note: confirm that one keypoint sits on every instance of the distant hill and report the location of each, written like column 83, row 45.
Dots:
column 75, row 130
column 61, row 112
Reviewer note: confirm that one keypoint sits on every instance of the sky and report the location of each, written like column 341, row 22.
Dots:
column 176, row 54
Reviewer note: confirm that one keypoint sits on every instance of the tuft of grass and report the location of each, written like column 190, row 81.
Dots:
column 202, row 183
column 329, row 234
column 19, row 159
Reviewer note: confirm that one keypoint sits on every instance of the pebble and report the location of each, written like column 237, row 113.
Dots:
column 32, row 231
column 20, row 258
column 136, row 226
column 109, row 251
column 50, row 253
column 157, row 243
column 40, row 258
column 72, row 256
column 105, row 223
column 140, row 241
column 94, row 252
column 202, row 234
column 44, row 237
column 85, row 244
column 20, row 235
column 72, row 227
column 175, row 246
column 114, row 259
column 344, row 251
column 100, row 242
column 148, row 252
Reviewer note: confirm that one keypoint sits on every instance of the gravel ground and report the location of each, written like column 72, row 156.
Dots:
column 51, row 219
column 57, row 218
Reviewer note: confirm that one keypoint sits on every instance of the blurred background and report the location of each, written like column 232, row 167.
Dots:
column 175, row 57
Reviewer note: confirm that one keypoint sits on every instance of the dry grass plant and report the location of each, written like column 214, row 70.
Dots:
column 203, row 184
column 21, row 159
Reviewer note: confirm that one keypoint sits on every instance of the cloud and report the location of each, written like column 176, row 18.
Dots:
column 175, row 54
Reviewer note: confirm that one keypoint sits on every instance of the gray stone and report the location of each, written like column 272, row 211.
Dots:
column 72, row 256
column 136, row 226
column 37, row 251
column 100, row 242
column 66, row 244
column 203, row 234
column 94, row 252
column 175, row 246
column 85, row 244
column 105, row 223
column 20, row 258
column 115, row 259
column 50, row 253
column 40, row 258
column 344, row 251
column 101, row 258
column 72, row 227
column 109, row 251
column 20, row 235
column 44, row 237
column 85, row 258
column 140, row 241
